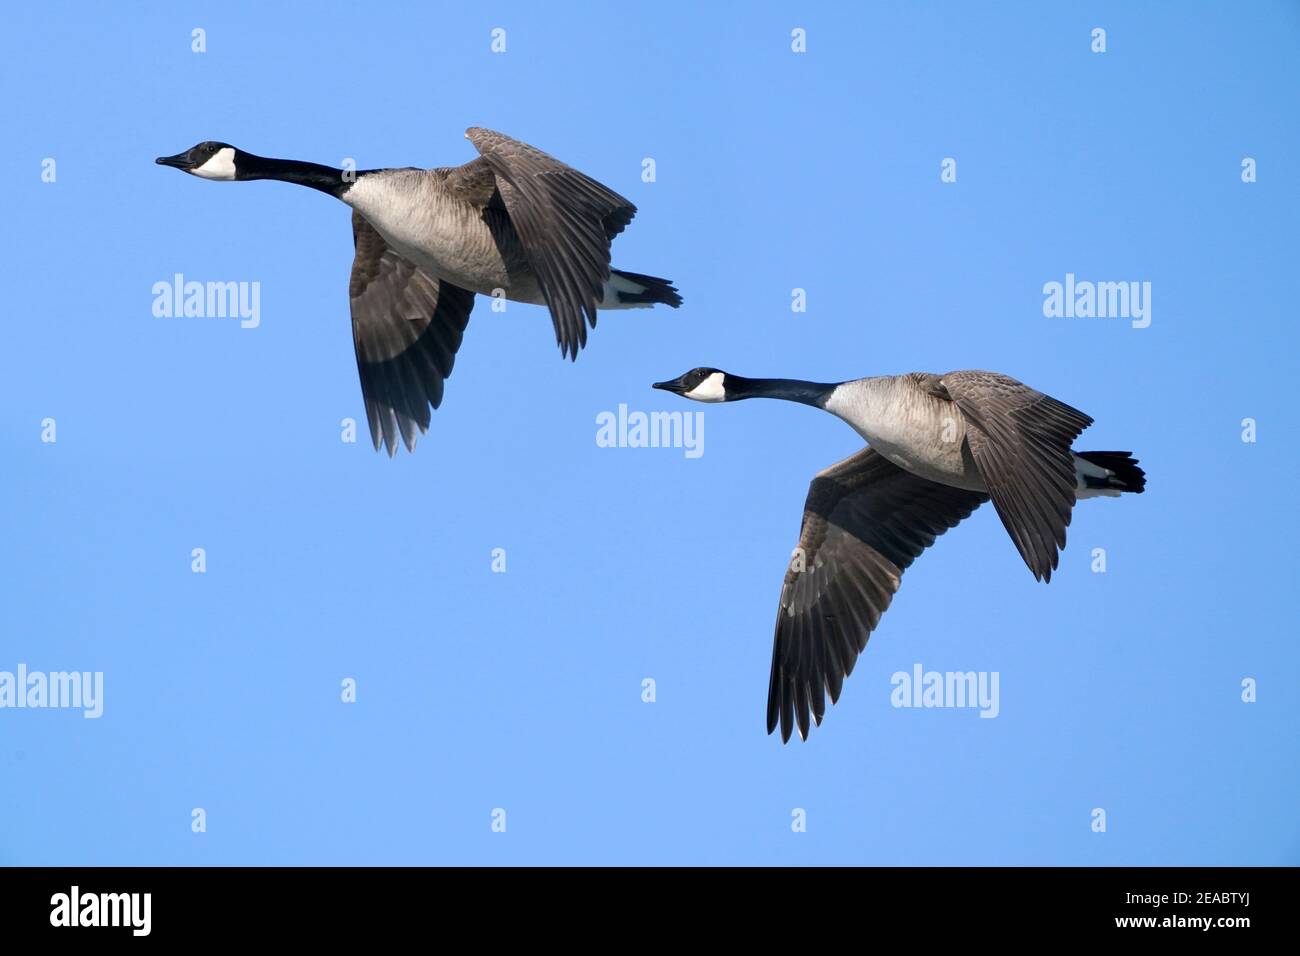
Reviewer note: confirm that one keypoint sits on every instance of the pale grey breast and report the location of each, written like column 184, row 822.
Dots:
column 471, row 246
column 906, row 421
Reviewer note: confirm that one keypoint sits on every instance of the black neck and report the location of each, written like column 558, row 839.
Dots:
column 786, row 389
column 325, row 178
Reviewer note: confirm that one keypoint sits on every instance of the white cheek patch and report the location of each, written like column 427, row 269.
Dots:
column 221, row 166
column 709, row 390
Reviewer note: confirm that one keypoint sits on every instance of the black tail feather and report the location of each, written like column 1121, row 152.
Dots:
column 654, row 290
column 1127, row 475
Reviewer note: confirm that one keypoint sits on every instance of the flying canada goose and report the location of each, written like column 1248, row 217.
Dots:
column 514, row 222
column 938, row 447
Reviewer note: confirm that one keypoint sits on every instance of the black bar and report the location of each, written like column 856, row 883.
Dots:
column 371, row 904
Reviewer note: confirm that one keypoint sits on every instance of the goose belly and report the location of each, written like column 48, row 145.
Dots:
column 917, row 432
column 484, row 273
column 947, row 462
column 448, row 239
column 454, row 248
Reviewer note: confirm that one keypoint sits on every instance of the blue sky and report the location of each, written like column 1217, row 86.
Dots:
column 522, row 690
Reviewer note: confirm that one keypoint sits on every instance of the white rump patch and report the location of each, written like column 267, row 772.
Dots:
column 616, row 284
column 1083, row 467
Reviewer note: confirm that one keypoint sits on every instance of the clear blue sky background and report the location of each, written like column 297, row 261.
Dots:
column 523, row 690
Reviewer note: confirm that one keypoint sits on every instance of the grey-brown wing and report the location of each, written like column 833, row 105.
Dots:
column 1020, row 440
column 565, row 221
column 864, row 522
column 473, row 183
column 406, row 327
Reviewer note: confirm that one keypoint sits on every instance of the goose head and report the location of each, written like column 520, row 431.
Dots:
column 207, row 160
column 701, row 385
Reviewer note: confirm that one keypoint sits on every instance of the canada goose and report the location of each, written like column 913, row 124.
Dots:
column 938, row 447
column 514, row 222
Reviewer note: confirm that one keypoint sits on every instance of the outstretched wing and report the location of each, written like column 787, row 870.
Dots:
column 1020, row 440
column 864, row 522
column 406, row 327
column 565, row 221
